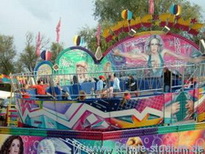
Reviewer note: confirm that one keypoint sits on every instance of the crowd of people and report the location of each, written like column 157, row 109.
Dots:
column 104, row 87
column 45, row 91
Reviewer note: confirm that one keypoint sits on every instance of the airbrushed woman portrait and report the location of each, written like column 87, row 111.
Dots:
column 12, row 145
column 154, row 55
column 81, row 71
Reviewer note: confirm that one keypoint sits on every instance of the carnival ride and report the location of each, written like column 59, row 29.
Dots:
column 152, row 121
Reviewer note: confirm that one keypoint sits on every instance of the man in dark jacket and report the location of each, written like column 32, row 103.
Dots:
column 167, row 79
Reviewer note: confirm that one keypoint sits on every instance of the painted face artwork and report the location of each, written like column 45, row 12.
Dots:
column 107, row 67
column 81, row 70
column 15, row 147
column 154, row 45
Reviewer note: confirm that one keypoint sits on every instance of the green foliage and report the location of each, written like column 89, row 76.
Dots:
column 55, row 49
column 28, row 57
column 110, row 11
column 7, row 54
column 89, row 36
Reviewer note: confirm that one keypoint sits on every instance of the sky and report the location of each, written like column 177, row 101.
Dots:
column 18, row 17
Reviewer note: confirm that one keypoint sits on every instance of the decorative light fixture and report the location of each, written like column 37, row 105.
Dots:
column 166, row 29
column 98, row 53
column 132, row 32
column 202, row 46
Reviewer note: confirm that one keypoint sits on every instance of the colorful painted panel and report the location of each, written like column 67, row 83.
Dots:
column 139, row 112
column 180, row 106
column 152, row 50
column 146, row 50
column 177, row 142
column 45, row 145
column 80, row 62
column 112, row 114
column 92, row 114
column 4, row 78
column 199, row 105
column 180, row 142
column 44, row 68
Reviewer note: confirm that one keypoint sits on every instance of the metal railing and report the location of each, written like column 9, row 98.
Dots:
column 146, row 84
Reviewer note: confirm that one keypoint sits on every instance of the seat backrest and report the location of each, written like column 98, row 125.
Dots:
column 32, row 93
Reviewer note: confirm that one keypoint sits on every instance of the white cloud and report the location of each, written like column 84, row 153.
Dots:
column 39, row 9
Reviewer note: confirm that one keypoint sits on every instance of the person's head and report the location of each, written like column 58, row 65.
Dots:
column 154, row 44
column 192, row 80
column 101, row 77
column 75, row 79
column 40, row 82
column 13, row 145
column 166, row 69
column 82, row 95
column 131, row 77
column 110, row 77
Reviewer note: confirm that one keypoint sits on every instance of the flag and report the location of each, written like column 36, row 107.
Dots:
column 151, row 6
column 98, row 33
column 98, row 52
column 38, row 44
column 58, row 31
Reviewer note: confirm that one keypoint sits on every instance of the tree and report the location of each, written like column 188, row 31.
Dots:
column 18, row 67
column 7, row 54
column 28, row 57
column 109, row 12
column 55, row 50
column 89, row 36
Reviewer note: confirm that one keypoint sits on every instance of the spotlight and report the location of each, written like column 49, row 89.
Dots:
column 132, row 32
column 166, row 29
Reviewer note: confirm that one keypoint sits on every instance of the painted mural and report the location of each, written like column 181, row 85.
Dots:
column 180, row 142
column 80, row 62
column 44, row 68
column 114, row 114
column 176, row 142
column 148, row 119
column 145, row 50
column 152, row 51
